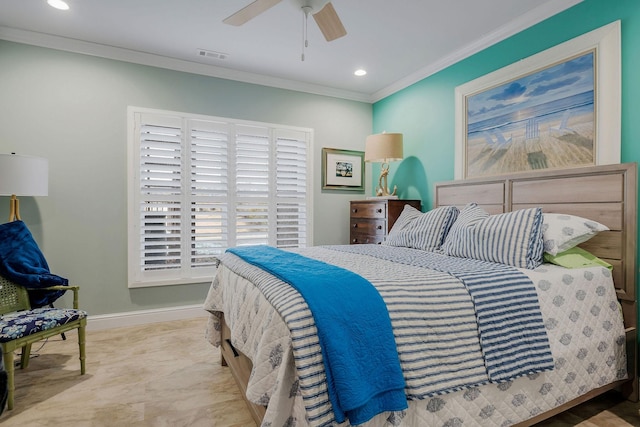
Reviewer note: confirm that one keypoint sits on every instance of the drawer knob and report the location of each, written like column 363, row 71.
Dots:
column 355, row 225
column 354, row 210
column 379, row 227
column 379, row 210
column 354, row 241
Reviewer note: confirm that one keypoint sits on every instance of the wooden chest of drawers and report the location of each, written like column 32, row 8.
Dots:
column 371, row 220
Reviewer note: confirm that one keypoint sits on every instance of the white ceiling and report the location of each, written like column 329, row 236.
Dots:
column 397, row 42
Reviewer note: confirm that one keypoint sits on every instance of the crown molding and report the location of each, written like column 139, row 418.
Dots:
column 525, row 21
column 144, row 58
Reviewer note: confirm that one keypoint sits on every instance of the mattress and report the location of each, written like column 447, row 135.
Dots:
column 579, row 308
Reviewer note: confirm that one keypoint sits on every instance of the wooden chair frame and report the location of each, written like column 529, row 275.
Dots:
column 25, row 342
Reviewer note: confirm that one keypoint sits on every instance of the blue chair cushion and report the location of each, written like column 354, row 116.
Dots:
column 22, row 323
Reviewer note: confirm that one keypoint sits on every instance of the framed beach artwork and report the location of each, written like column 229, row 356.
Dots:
column 342, row 170
column 557, row 109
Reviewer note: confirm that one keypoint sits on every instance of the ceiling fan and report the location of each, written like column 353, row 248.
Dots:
column 325, row 16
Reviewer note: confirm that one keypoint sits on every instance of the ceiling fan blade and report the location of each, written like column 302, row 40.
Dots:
column 250, row 11
column 329, row 23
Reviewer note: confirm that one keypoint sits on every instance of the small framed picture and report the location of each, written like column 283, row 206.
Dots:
column 342, row 170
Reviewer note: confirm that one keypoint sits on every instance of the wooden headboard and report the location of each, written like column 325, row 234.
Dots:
column 606, row 194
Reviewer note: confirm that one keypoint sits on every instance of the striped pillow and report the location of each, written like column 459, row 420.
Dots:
column 513, row 238
column 426, row 231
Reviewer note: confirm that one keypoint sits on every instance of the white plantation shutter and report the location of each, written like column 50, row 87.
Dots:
column 200, row 185
column 160, row 188
column 253, row 166
column 209, row 192
column 291, row 189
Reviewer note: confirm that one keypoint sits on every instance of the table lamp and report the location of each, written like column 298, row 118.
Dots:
column 22, row 176
column 385, row 148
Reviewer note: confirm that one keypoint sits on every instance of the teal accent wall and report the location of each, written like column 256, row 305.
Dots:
column 424, row 112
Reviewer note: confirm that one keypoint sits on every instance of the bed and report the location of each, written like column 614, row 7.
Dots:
column 593, row 348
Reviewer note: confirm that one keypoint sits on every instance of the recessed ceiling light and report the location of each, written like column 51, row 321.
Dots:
column 360, row 72
column 58, row 4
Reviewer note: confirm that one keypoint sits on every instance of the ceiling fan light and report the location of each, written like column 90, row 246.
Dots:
column 360, row 72
column 58, row 4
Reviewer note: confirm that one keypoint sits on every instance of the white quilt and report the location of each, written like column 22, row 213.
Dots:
column 581, row 315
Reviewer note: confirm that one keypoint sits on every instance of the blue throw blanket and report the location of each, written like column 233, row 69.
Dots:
column 354, row 329
column 22, row 262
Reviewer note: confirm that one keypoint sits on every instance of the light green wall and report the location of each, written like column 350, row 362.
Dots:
column 71, row 109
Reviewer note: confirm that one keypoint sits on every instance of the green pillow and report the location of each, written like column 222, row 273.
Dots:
column 576, row 258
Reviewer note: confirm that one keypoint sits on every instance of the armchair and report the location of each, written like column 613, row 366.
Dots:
column 21, row 326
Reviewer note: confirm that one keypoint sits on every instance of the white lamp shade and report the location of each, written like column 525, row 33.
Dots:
column 383, row 147
column 23, row 175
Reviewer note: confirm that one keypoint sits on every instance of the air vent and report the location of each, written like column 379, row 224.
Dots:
column 211, row 54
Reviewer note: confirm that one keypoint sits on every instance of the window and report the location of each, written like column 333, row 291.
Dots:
column 199, row 185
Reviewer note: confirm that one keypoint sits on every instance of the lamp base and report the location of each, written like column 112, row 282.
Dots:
column 382, row 189
column 14, row 209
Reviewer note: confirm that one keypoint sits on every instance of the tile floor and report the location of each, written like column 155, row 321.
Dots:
column 167, row 374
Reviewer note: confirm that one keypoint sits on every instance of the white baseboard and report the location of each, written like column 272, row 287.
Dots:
column 144, row 317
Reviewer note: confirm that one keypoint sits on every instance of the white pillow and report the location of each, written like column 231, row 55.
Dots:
column 563, row 231
column 425, row 231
